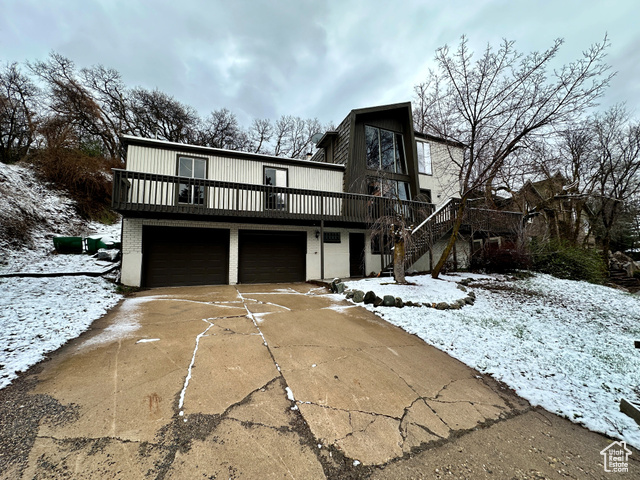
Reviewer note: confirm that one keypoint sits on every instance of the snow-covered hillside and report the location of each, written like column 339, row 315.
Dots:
column 31, row 215
column 38, row 315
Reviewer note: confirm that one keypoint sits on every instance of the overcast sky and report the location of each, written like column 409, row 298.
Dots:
column 311, row 58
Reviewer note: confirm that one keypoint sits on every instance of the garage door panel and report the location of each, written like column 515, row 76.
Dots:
column 176, row 256
column 266, row 257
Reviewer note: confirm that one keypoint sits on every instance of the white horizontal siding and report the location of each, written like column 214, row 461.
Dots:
column 229, row 169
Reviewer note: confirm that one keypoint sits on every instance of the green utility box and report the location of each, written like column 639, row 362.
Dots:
column 68, row 244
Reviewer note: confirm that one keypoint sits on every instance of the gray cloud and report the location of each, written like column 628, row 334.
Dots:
column 307, row 58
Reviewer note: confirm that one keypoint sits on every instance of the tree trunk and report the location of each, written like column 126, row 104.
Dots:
column 435, row 272
column 398, row 261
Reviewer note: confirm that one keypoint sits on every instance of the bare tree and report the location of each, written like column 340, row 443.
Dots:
column 292, row 135
column 617, row 169
column 18, row 113
column 156, row 114
column 260, row 134
column 495, row 104
column 71, row 96
column 221, row 130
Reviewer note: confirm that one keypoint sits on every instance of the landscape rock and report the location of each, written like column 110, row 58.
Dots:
column 399, row 303
column 389, row 301
column 358, row 296
column 349, row 294
column 442, row 306
column 377, row 301
column 340, row 287
column 369, row 297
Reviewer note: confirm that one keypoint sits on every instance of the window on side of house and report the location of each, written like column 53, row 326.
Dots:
column 191, row 168
column 425, row 195
column 424, row 157
column 332, row 237
column 384, row 150
column 388, row 188
column 380, row 244
column 275, row 177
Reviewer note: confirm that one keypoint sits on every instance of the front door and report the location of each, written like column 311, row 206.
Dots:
column 356, row 255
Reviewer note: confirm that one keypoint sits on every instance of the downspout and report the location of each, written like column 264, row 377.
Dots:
column 322, row 249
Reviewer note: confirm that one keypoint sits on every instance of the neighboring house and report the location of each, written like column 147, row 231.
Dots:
column 198, row 215
column 553, row 209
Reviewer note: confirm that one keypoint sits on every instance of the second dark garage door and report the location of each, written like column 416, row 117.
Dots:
column 271, row 257
column 175, row 256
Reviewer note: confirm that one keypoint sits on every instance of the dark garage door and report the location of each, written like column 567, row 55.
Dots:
column 175, row 256
column 267, row 257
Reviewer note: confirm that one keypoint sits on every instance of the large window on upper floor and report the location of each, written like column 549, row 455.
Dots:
column 191, row 168
column 424, row 157
column 385, row 150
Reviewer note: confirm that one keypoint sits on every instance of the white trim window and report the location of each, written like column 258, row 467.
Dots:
column 424, row 157
column 191, row 168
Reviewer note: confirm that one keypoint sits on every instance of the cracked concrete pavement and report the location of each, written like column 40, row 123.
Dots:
column 253, row 381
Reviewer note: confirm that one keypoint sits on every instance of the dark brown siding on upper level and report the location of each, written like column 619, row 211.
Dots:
column 341, row 150
column 396, row 118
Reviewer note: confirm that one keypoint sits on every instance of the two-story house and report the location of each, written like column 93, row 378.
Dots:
column 197, row 215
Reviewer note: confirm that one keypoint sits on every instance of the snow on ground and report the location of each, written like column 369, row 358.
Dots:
column 38, row 315
column 31, row 214
column 564, row 345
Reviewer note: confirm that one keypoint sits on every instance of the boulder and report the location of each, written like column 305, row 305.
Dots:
column 389, row 301
column 340, row 287
column 377, row 302
column 349, row 294
column 369, row 297
column 442, row 306
column 399, row 302
column 358, row 296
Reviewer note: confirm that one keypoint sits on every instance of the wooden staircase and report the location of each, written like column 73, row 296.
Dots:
column 425, row 235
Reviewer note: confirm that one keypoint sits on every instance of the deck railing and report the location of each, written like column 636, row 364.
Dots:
column 150, row 192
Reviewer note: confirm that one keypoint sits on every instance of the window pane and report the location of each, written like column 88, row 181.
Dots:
column 185, row 167
column 403, row 190
column 386, row 151
column 199, row 168
column 373, row 147
column 184, row 194
column 373, row 186
column 270, row 176
column 424, row 158
column 389, row 189
column 400, row 161
column 281, row 178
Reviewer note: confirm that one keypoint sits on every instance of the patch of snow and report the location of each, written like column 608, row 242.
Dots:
column 426, row 289
column 193, row 361
column 356, row 463
column 39, row 315
column 123, row 327
column 567, row 346
column 290, row 394
column 147, row 340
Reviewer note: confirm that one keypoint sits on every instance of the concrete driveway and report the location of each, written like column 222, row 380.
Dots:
column 253, row 381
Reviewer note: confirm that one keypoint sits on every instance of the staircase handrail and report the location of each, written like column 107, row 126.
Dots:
column 437, row 210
